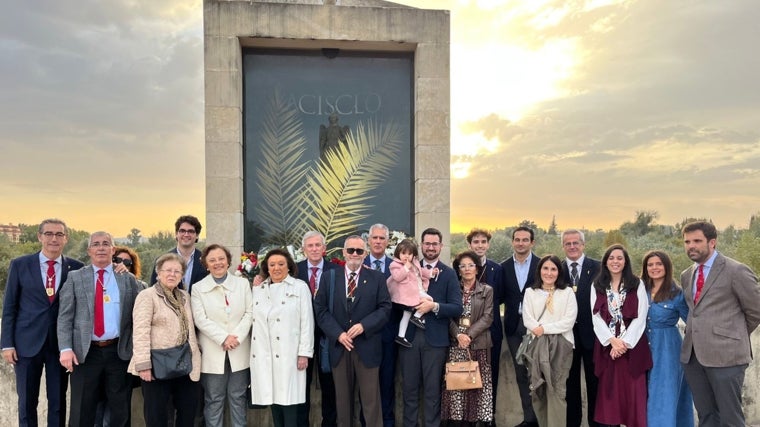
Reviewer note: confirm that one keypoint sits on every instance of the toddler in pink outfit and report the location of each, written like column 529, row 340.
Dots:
column 407, row 285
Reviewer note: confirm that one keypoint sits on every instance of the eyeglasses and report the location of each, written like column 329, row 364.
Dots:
column 171, row 272
column 50, row 234
column 466, row 266
column 126, row 261
column 100, row 245
column 358, row 251
column 431, row 244
column 570, row 244
column 183, row 231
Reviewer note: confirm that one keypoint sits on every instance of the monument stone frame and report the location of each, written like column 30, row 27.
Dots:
column 231, row 26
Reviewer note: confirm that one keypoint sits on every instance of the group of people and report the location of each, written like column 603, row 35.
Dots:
column 352, row 326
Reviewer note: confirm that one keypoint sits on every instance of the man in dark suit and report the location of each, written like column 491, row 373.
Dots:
column 187, row 229
column 30, row 315
column 353, row 324
column 310, row 271
column 422, row 363
column 724, row 308
column 479, row 241
column 580, row 272
column 379, row 261
column 95, row 335
column 518, row 274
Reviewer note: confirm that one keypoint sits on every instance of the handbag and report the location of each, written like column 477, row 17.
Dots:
column 526, row 341
column 463, row 375
column 173, row 362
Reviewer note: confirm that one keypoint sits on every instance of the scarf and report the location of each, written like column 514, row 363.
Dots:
column 176, row 301
column 615, row 307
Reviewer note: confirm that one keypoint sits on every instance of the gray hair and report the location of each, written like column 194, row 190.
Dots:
column 99, row 233
column 352, row 237
column 309, row 235
column 381, row 226
column 53, row 221
column 572, row 231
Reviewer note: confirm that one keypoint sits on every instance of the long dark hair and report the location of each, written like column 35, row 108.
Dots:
column 665, row 292
column 560, row 283
column 292, row 269
column 629, row 280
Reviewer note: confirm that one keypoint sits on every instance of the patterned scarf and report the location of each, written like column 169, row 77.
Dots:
column 615, row 307
column 176, row 301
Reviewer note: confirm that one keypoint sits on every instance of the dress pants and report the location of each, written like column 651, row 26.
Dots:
column 717, row 393
column 521, row 374
column 28, row 372
column 285, row 415
column 326, row 386
column 388, row 368
column 101, row 370
column 184, row 393
column 422, row 364
column 350, row 373
column 221, row 388
column 574, row 390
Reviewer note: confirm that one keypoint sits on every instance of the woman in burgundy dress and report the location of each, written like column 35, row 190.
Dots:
column 621, row 352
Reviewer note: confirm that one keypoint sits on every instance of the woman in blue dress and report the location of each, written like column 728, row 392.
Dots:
column 669, row 401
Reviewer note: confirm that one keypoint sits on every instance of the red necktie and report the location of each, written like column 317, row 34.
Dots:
column 700, row 282
column 313, row 281
column 351, row 284
column 50, row 282
column 99, row 321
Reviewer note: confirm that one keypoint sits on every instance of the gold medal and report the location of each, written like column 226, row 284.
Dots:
column 106, row 299
column 50, row 291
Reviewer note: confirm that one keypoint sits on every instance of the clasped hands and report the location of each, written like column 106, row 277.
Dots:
column 347, row 338
column 618, row 348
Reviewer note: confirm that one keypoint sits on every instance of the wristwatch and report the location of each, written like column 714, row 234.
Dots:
column 436, row 308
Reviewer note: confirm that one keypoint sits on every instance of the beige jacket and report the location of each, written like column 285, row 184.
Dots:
column 221, row 310
column 155, row 326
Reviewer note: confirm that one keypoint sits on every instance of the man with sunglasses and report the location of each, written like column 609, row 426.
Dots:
column 187, row 229
column 30, row 314
column 352, row 318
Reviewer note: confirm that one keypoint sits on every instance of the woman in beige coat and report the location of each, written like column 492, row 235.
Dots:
column 222, row 312
column 162, row 318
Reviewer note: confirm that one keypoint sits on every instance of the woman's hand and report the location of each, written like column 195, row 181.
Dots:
column 303, row 362
column 230, row 343
column 618, row 348
column 538, row 331
column 464, row 340
column 146, row 375
column 257, row 280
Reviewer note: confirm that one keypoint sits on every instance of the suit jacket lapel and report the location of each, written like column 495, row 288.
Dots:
column 88, row 281
column 36, row 273
column 121, row 283
column 715, row 272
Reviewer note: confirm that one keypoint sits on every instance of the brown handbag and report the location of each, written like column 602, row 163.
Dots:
column 463, row 375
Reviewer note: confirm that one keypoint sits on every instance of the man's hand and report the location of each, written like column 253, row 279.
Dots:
column 347, row 342
column 425, row 306
column 68, row 360
column 120, row 268
column 464, row 340
column 257, row 280
column 355, row 331
column 10, row 356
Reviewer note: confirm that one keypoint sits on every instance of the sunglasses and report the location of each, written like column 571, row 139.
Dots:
column 118, row 260
column 358, row 251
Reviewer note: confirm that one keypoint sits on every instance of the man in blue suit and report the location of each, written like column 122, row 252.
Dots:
column 379, row 261
column 310, row 271
column 479, row 241
column 30, row 315
column 186, row 229
column 580, row 272
column 518, row 274
column 422, row 363
column 353, row 324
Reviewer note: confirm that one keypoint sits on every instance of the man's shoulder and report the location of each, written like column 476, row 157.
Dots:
column 591, row 262
column 510, row 261
column 492, row 264
column 28, row 258
column 73, row 264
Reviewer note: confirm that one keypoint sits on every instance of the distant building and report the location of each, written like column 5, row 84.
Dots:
column 12, row 231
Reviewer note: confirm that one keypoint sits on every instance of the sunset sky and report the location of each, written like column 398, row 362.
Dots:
column 587, row 110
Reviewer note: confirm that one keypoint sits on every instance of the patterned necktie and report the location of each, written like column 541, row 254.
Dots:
column 378, row 265
column 313, row 281
column 700, row 282
column 574, row 273
column 99, row 321
column 351, row 285
column 50, row 282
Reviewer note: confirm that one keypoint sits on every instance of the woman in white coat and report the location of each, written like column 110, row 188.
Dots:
column 283, row 338
column 222, row 306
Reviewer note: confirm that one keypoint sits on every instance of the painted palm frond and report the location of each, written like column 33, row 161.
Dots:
column 340, row 189
column 280, row 172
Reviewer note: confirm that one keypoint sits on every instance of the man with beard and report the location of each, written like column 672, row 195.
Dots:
column 422, row 363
